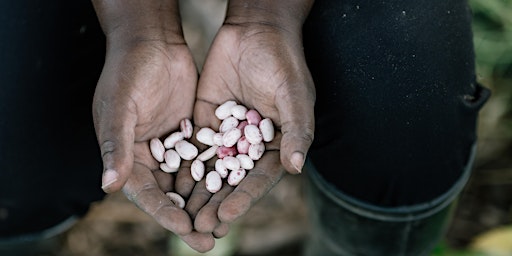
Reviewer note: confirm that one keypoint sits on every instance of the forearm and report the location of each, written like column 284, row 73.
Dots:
column 140, row 20
column 288, row 15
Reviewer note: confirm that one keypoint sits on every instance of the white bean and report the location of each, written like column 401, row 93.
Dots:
column 230, row 137
column 172, row 158
column 165, row 168
column 221, row 169
column 205, row 136
column 186, row 150
column 253, row 134
column 267, row 129
column 235, row 177
column 231, row 163
column 245, row 161
column 197, row 170
column 208, row 154
column 171, row 140
column 239, row 112
column 176, row 199
column 217, row 139
column 228, row 123
column 256, row 151
column 224, row 110
column 157, row 149
column 186, row 128
column 213, row 182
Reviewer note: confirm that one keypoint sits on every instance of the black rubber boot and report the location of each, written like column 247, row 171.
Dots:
column 343, row 225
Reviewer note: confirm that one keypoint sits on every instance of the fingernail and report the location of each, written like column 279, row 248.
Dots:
column 297, row 160
column 110, row 176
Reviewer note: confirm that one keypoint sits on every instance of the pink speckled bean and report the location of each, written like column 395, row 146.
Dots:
column 243, row 145
column 208, row 154
column 172, row 158
column 235, row 177
column 267, row 129
column 252, row 134
column 213, row 182
column 239, row 112
column 226, row 151
column 176, row 199
column 245, row 161
column 186, row 150
column 186, row 128
column 224, row 110
column 197, row 170
column 256, row 151
column 228, row 123
column 165, row 168
column 253, row 117
column 171, row 140
column 221, row 169
column 205, row 136
column 241, row 126
column 231, row 137
column 157, row 149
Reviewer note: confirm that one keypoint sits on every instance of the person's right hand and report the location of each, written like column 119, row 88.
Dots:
column 147, row 86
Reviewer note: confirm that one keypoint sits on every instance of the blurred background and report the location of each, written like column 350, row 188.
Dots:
column 482, row 224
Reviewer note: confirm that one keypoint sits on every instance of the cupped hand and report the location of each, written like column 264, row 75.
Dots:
column 145, row 90
column 262, row 67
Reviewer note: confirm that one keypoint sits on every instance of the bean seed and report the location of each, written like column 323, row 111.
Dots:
column 205, row 136
column 239, row 112
column 235, row 177
column 241, row 126
column 243, row 145
column 231, row 137
column 245, row 161
column 253, row 117
column 228, row 123
column 186, row 128
column 165, row 168
column 176, row 199
column 253, row 134
column 221, row 169
column 231, row 163
column 171, row 140
column 172, row 158
column 217, row 139
column 256, row 151
column 226, row 151
column 208, row 154
column 157, row 149
column 213, row 182
column 186, row 150
column 197, row 170
column 267, row 129
column 224, row 110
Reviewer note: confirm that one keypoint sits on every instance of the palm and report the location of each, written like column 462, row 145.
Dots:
column 263, row 70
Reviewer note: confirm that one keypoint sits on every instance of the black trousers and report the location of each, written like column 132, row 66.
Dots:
column 397, row 99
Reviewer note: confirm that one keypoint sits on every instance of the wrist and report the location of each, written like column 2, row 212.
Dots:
column 126, row 22
column 279, row 14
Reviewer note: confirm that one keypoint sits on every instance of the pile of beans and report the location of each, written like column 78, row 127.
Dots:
column 237, row 143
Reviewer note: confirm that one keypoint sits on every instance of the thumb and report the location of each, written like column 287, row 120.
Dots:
column 296, row 111
column 116, row 132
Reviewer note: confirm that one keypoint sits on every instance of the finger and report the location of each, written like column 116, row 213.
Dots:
column 221, row 230
column 295, row 105
column 207, row 220
column 201, row 242
column 267, row 172
column 115, row 130
column 165, row 180
column 142, row 189
column 198, row 198
column 184, row 182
